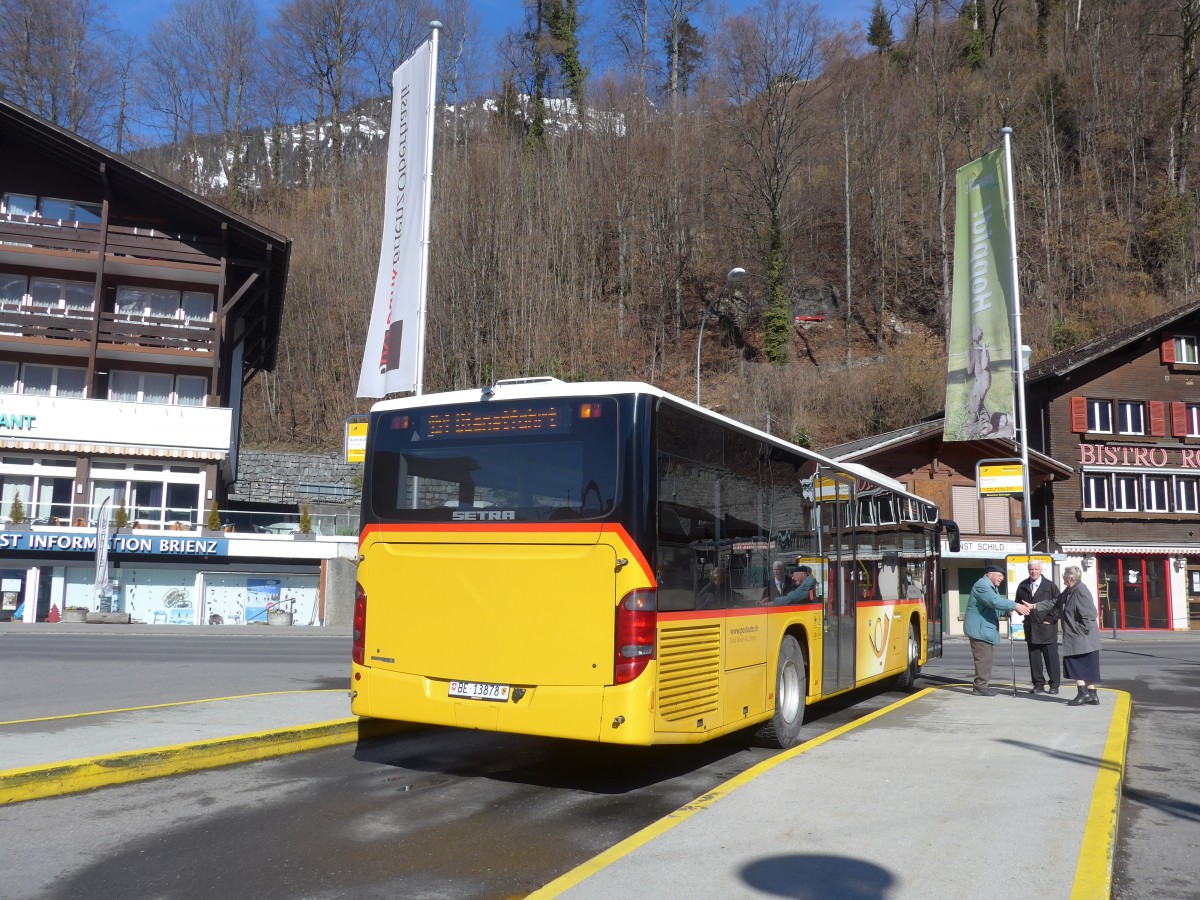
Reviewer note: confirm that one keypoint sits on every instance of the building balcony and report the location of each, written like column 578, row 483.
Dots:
column 76, row 246
column 24, row 321
column 110, row 427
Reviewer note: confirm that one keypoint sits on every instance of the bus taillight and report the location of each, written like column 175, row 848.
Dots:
column 637, row 624
column 360, row 625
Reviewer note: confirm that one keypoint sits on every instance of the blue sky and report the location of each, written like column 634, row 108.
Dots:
column 497, row 16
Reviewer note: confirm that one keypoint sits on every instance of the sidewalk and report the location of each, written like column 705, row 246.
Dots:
column 930, row 797
column 65, row 754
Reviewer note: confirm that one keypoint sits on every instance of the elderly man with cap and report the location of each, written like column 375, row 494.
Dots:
column 982, row 624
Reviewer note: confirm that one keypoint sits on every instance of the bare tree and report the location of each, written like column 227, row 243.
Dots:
column 323, row 42
column 397, row 28
column 777, row 68
column 57, row 62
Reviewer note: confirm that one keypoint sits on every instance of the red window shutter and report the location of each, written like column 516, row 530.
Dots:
column 1079, row 414
column 1167, row 349
column 1158, row 418
column 1179, row 424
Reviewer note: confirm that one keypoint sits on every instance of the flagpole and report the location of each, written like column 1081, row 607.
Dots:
column 434, row 27
column 1018, row 345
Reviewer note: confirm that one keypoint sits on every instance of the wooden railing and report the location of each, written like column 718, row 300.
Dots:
column 115, row 328
column 123, row 242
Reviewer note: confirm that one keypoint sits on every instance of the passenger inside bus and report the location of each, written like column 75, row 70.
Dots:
column 716, row 593
column 805, row 590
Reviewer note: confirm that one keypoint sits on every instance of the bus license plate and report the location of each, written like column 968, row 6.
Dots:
column 477, row 690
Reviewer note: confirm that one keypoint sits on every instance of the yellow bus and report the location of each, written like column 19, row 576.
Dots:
column 596, row 561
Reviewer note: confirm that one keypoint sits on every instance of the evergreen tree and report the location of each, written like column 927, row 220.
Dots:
column 879, row 31
column 16, row 512
column 562, row 21
column 975, row 48
column 691, row 53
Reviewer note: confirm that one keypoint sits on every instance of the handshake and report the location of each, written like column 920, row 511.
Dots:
column 1024, row 609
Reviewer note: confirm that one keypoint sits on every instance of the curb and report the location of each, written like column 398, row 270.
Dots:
column 78, row 775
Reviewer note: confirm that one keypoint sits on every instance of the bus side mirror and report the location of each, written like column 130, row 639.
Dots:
column 953, row 541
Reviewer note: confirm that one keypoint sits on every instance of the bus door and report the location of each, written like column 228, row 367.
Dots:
column 836, row 499
column 933, row 597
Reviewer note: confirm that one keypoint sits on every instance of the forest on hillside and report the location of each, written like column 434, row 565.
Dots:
column 588, row 244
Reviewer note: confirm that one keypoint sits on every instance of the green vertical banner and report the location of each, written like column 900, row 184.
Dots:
column 979, row 383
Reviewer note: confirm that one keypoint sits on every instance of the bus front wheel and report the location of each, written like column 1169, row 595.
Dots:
column 791, row 687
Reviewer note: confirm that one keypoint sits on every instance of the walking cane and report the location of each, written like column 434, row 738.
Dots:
column 1012, row 653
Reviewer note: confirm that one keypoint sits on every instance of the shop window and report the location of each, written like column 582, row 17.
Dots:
column 12, row 487
column 1132, row 417
column 1095, row 492
column 1158, row 493
column 1099, row 416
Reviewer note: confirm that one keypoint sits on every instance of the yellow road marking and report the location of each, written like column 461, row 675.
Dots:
column 1093, row 872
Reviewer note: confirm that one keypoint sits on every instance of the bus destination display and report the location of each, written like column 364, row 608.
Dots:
column 551, row 419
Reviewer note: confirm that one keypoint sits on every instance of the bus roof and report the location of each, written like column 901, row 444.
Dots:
column 543, row 387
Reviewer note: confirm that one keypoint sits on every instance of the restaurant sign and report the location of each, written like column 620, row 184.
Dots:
column 1139, row 457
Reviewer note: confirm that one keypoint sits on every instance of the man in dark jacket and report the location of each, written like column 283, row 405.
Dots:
column 1041, row 629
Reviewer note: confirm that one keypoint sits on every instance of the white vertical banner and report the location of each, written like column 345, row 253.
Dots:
column 103, row 533
column 393, row 359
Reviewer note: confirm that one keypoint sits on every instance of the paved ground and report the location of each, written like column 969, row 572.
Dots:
column 826, row 819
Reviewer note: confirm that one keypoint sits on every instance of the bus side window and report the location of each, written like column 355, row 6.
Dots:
column 676, row 579
column 670, row 527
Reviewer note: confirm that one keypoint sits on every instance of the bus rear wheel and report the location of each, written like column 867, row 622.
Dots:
column 907, row 679
column 791, row 687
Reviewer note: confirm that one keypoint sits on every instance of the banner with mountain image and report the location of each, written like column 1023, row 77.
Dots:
column 392, row 359
column 980, row 401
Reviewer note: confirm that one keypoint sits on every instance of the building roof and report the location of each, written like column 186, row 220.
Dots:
column 1068, row 360
column 250, row 245
column 988, row 448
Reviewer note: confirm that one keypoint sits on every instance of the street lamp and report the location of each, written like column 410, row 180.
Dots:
column 736, row 274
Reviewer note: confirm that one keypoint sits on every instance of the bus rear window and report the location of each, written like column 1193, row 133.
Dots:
column 531, row 461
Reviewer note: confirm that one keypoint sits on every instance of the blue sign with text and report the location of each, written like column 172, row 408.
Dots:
column 66, row 542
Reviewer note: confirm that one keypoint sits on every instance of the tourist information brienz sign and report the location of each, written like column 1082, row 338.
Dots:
column 67, row 542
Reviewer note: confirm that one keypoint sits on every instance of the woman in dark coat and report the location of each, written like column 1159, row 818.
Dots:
column 1081, row 636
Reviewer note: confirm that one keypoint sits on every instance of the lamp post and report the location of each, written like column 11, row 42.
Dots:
column 736, row 274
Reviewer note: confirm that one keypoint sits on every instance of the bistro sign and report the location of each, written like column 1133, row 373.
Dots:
column 32, row 542
column 1142, row 457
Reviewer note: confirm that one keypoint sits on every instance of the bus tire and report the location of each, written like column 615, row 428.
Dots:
column 907, row 679
column 791, row 688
